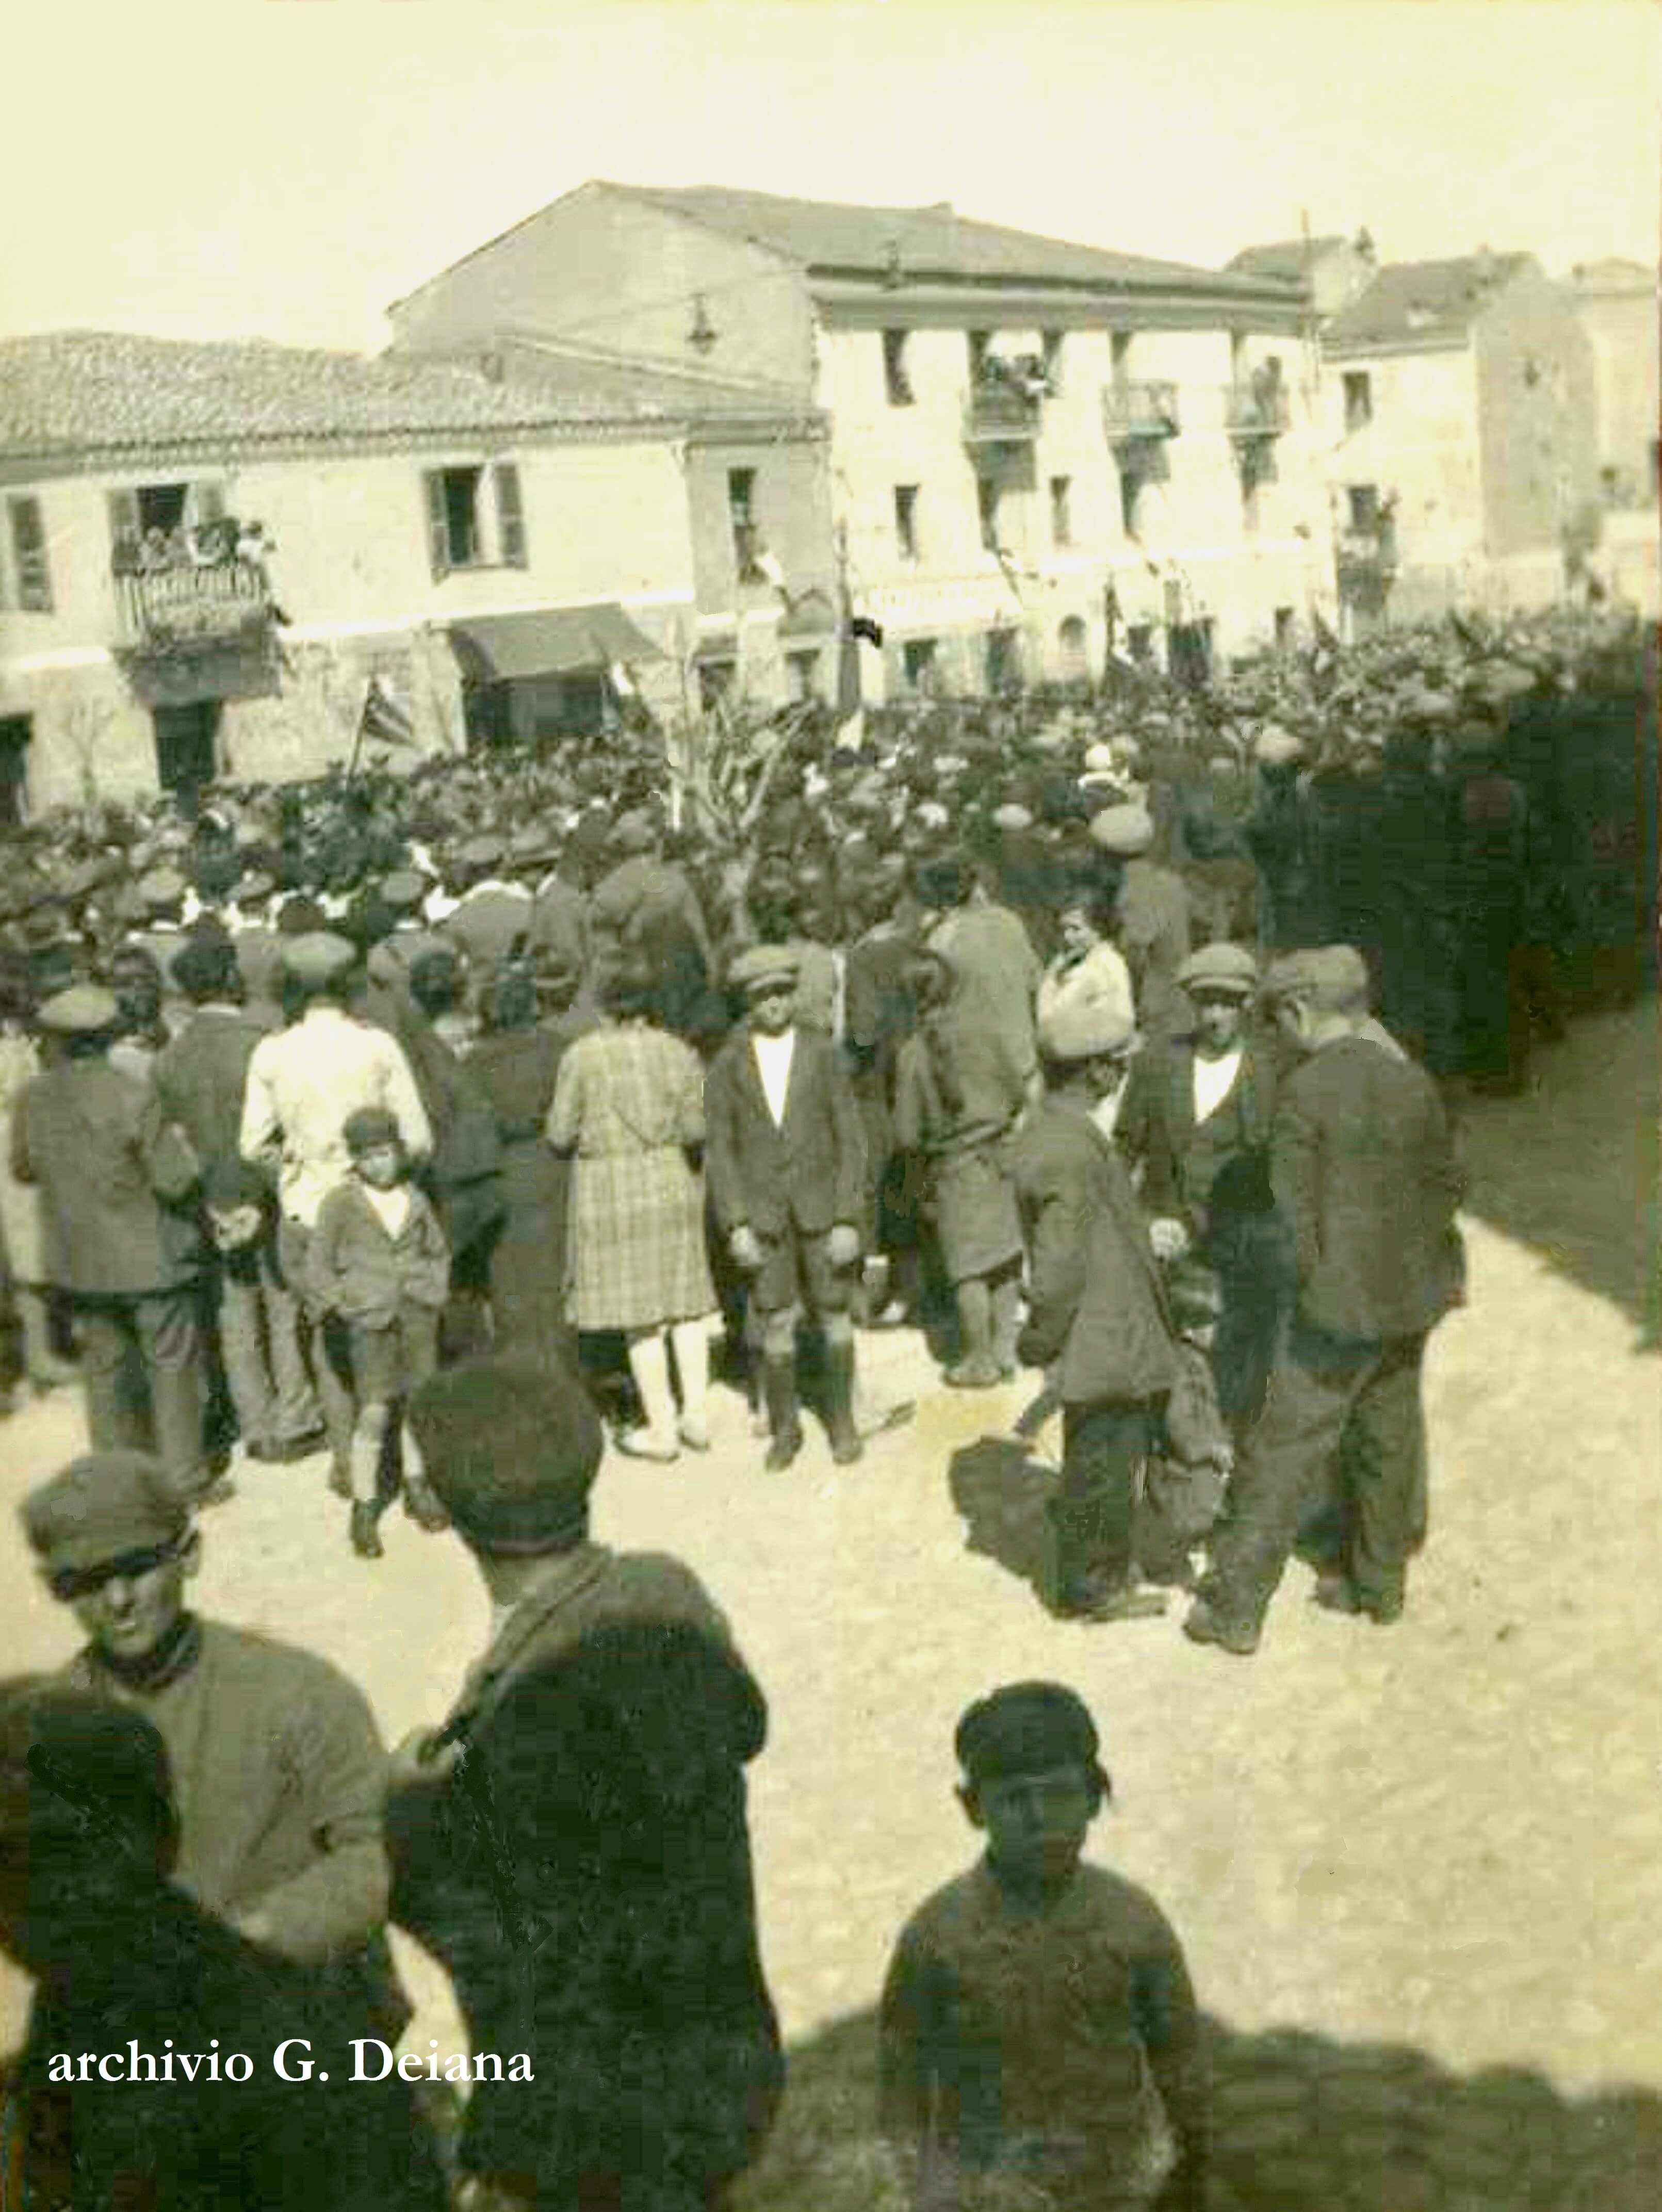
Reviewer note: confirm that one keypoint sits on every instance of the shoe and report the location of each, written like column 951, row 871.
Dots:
column 642, row 1443
column 973, row 1375
column 218, row 1492
column 422, row 1505
column 1102, row 1601
column 846, row 1447
column 340, row 1479
column 366, row 1536
column 1338, row 1594
column 783, row 1450
column 1204, row 1625
column 694, row 1435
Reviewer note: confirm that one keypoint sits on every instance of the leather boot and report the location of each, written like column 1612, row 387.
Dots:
column 779, row 1388
column 845, row 1445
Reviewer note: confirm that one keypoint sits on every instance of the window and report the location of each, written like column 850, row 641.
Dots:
column 1120, row 354
column 1249, row 515
column 1051, row 360
column 1002, row 662
column 741, row 513
column 1072, row 639
column 1061, row 510
column 906, row 520
column 918, row 661
column 896, row 381
column 1363, row 501
column 1130, row 491
column 466, row 529
column 1358, row 398
column 979, row 342
column 1139, row 643
column 986, row 502
column 169, row 525
column 16, row 730
column 716, row 682
column 31, row 569
column 1285, row 628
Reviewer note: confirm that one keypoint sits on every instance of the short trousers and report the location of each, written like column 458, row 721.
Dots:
column 796, row 1270
column 388, row 1362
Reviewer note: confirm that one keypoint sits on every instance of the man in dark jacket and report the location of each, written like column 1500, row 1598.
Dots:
column 200, row 1080
column 786, row 1168
column 1364, row 1177
column 1097, row 1306
column 572, row 1843
column 121, row 1244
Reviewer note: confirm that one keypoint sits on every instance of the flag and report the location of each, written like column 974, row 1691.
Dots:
column 767, row 564
column 384, row 721
column 621, row 680
column 1324, row 637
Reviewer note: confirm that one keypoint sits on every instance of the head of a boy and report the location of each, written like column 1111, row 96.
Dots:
column 377, row 1148
column 1033, row 1780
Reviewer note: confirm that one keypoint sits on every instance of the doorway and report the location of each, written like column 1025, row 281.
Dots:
column 186, row 747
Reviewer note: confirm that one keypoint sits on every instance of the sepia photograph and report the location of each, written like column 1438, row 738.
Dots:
column 830, row 1353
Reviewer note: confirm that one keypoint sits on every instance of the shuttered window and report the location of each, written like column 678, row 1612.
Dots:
column 510, row 516
column 29, row 560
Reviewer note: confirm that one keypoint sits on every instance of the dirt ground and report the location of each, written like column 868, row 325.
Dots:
column 1439, row 1844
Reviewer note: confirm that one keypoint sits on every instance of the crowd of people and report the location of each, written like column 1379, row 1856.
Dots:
column 418, row 1120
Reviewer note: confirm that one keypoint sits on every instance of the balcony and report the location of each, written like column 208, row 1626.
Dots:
column 1255, row 410
column 185, row 606
column 1366, row 560
column 1132, row 412
column 1003, row 408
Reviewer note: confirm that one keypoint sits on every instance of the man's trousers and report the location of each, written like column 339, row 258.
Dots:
column 1327, row 1395
column 142, row 1368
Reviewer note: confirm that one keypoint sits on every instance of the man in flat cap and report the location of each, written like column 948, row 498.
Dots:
column 785, row 1164
column 121, row 1242
column 572, row 1843
column 1365, row 1180
column 1153, row 924
column 1196, row 1118
column 130, row 1968
column 303, row 1085
column 1097, row 1306
column 276, row 1764
column 492, row 917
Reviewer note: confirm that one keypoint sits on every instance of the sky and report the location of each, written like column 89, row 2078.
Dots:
column 286, row 168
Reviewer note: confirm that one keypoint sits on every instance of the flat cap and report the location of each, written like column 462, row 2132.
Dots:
column 101, row 1505
column 84, row 1010
column 1099, row 756
column 636, row 831
column 319, row 956
column 403, row 889
column 1333, row 978
column 1275, row 747
column 1011, row 816
column 482, row 851
column 761, row 967
column 1221, row 967
column 162, row 888
column 1125, row 830
column 1027, row 1727
column 1085, row 1024
column 512, row 1446
column 252, row 888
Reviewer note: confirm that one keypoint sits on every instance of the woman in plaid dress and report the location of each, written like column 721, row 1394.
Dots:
column 628, row 1101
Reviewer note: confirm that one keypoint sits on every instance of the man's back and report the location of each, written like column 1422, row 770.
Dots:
column 1364, row 1173
column 200, row 1078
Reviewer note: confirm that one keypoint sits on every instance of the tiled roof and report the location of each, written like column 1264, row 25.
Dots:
column 1287, row 258
column 561, row 370
column 1424, row 302
column 98, row 391
column 929, row 241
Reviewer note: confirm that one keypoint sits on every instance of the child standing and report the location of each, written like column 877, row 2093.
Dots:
column 1040, row 2040
column 379, row 1261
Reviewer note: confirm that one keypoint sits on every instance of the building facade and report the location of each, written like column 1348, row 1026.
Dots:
column 1460, row 411
column 1039, row 453
column 209, row 552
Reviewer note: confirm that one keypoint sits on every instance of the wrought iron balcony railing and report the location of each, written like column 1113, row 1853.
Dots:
column 1141, row 409
column 190, row 606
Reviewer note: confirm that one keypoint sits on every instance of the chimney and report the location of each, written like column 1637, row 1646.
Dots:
column 1484, row 265
column 1363, row 245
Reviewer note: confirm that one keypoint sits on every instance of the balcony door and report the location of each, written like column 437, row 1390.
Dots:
column 186, row 748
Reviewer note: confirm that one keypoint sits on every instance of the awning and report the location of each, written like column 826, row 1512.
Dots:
column 548, row 641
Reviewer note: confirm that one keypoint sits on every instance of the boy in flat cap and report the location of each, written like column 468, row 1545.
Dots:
column 379, row 1261
column 572, row 1843
column 1365, row 1180
column 1040, row 2044
column 121, row 1241
column 277, row 1767
column 786, row 1171
column 1097, row 1309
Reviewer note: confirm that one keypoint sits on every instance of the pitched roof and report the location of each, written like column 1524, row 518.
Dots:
column 1287, row 258
column 559, row 370
column 928, row 242
column 76, row 391
column 1426, row 303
